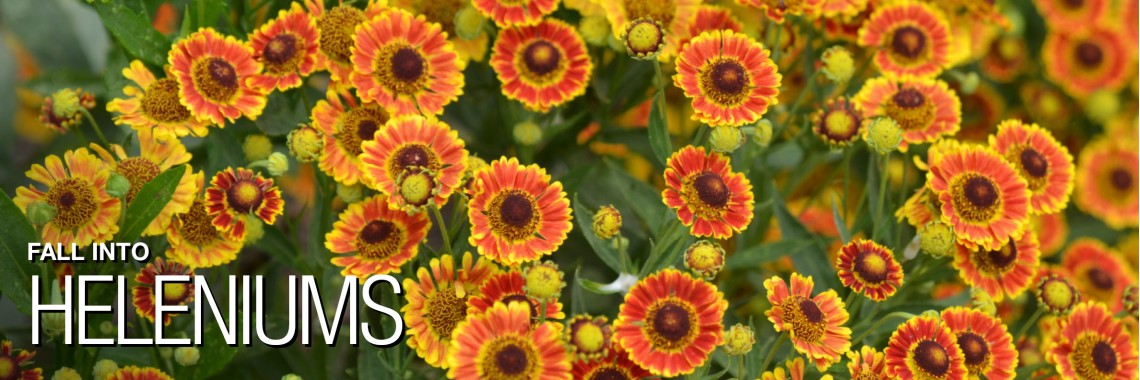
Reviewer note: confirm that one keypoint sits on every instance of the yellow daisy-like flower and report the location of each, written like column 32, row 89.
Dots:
column 154, row 105
column 76, row 188
column 156, row 155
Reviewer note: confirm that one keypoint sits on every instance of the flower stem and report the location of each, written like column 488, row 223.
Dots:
column 442, row 229
column 95, row 126
column 882, row 194
column 772, row 351
column 880, row 322
column 1028, row 323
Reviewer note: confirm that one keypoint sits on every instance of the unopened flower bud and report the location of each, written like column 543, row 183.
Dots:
column 607, row 222
column 118, row 186
column 936, row 238
column 257, row 147
column 40, row 213
column 469, row 23
column 66, row 373
column 595, row 29
column 254, row 230
column 705, row 258
column 1102, row 106
column 103, row 368
column 543, row 281
column 738, row 340
column 186, row 356
column 1056, row 295
column 883, row 135
column 726, row 139
column 838, row 64
column 982, row 301
column 644, row 38
column 306, row 143
column 527, row 133
column 349, row 194
column 107, row 328
column 762, row 134
column 277, row 164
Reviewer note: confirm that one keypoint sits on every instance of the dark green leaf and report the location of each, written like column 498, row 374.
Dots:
column 282, row 113
column 840, row 224
column 223, row 151
column 215, row 353
column 604, row 250
column 276, row 244
column 149, row 202
column 595, row 287
column 812, row 260
column 785, row 156
column 659, row 132
column 132, row 29
column 760, row 254
column 15, row 268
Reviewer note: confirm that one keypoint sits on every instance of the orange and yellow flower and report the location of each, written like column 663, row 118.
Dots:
column 17, row 363
column 172, row 293
column 777, row 10
column 437, row 302
column 925, row 109
column 287, row 48
column 675, row 16
column 154, row 105
column 1108, row 175
column 517, row 214
column 869, row 268
column 913, row 39
column 415, row 160
column 1089, row 59
column 156, row 155
column 730, row 77
column 507, row 287
column 1098, row 272
column 794, row 371
column 1043, row 162
column 337, row 30
column 515, row 13
column 1005, row 272
column 235, row 195
column 405, row 64
column 469, row 48
column 838, row 123
column 982, row 196
column 138, row 373
column 867, row 364
column 1072, row 15
column 615, row 365
column 213, row 73
column 670, row 322
column 814, row 324
column 501, row 344
column 987, row 348
column 76, row 188
column 1094, row 345
column 371, row 238
column 193, row 239
column 346, row 124
column 924, row 348
column 542, row 66
column 709, row 18
column 708, row 196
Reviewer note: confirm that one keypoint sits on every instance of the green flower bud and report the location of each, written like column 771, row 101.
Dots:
column 762, row 134
column 118, row 186
column 186, row 356
column 257, row 147
column 738, row 340
column 104, row 368
column 936, row 238
column 726, row 139
column 469, row 23
column 40, row 213
column 66, row 373
column 349, row 194
column 883, row 135
column 527, row 133
column 277, row 164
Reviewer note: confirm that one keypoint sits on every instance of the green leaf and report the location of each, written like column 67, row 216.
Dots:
column 812, row 260
column 223, row 150
column 659, row 132
column 276, row 244
column 149, row 202
column 132, row 29
column 764, row 253
column 785, row 156
column 15, row 268
column 840, row 224
column 282, row 113
column 604, row 250
column 594, row 287
column 214, row 353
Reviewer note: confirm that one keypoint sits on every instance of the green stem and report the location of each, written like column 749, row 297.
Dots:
column 1028, row 323
column 796, row 106
column 880, row 322
column 158, row 360
column 772, row 351
column 95, row 126
column 740, row 368
column 850, row 303
column 882, row 194
column 442, row 229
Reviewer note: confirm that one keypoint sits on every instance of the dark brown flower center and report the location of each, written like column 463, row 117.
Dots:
column 1034, row 163
column 74, row 202
column 280, row 49
column 672, row 322
column 908, row 41
column 711, row 189
column 981, row 192
column 366, row 130
column 974, row 348
column 516, row 210
column 359, row 125
column 244, row 196
column 1121, row 179
column 1003, row 258
column 1104, row 358
column 511, row 360
column 609, row 373
column 197, row 226
column 811, row 311
column 909, row 98
column 216, row 79
column 729, row 77
column 1074, row 4
column 1100, row 279
column 932, row 358
column 138, row 171
column 871, row 267
column 413, row 156
column 160, row 102
column 541, row 57
column 407, row 65
column 376, row 231
column 1089, row 54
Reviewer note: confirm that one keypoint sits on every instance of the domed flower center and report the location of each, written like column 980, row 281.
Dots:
column 840, row 124
column 541, row 57
column 725, row 81
column 401, row 69
column 711, row 189
column 974, row 348
column 216, row 79
column 280, row 50
column 511, row 360
column 981, row 192
column 1104, row 358
column 413, row 156
column 379, row 239
column 337, row 27
column 729, row 77
column 444, row 311
column 811, row 311
column 74, row 203
column 244, row 196
column 910, row 108
column 175, row 292
column 932, row 358
column 407, row 64
column 1100, row 279
column 1001, row 260
column 588, row 337
column 807, row 319
column 909, row 42
column 416, row 186
column 1034, row 163
column 1121, row 179
column 359, row 125
column 671, row 321
column 1057, row 294
column 138, row 171
column 9, row 369
column 909, row 98
column 871, row 267
column 516, row 210
column 1074, row 4
column 1089, row 54
column 160, row 102
column 609, row 373
column 196, row 226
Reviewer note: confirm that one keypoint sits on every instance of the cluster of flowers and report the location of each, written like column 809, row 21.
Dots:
column 992, row 202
